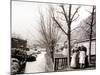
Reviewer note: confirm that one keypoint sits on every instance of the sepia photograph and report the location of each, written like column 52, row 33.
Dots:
column 52, row 37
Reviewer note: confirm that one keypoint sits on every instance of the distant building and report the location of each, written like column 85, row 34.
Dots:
column 19, row 43
column 81, row 34
column 86, row 44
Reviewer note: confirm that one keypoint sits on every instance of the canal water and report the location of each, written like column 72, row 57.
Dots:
column 37, row 66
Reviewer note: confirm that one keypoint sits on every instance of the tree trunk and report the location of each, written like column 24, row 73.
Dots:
column 69, row 35
column 69, row 47
column 52, row 55
column 90, row 41
column 90, row 38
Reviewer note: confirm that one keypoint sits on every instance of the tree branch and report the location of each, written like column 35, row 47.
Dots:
column 75, row 28
column 74, row 13
column 88, row 23
column 60, row 12
column 75, row 18
column 94, row 23
column 59, row 25
column 85, row 30
column 65, row 13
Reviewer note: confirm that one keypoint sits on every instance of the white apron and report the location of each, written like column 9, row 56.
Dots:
column 82, row 57
column 73, row 60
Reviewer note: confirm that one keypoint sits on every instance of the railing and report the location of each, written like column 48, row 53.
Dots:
column 60, row 63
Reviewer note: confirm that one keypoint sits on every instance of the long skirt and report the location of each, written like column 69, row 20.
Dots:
column 73, row 60
column 82, row 57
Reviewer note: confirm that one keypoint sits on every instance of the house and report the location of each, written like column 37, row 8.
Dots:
column 82, row 33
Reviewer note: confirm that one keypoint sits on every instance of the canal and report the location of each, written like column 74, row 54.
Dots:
column 37, row 66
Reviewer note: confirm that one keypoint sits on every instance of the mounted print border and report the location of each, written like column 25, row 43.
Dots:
column 52, row 37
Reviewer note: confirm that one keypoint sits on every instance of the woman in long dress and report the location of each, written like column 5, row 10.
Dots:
column 82, row 56
column 74, row 57
column 65, row 49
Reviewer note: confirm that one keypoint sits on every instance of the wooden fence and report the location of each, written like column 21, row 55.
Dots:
column 60, row 63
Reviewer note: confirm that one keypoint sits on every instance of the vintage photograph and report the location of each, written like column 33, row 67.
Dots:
column 52, row 37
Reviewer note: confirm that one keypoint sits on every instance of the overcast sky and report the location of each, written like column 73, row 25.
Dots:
column 25, row 18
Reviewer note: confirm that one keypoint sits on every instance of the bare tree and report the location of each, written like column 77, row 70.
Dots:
column 68, row 18
column 49, row 33
column 90, row 23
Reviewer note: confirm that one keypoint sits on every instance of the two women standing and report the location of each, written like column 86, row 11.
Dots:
column 78, row 57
